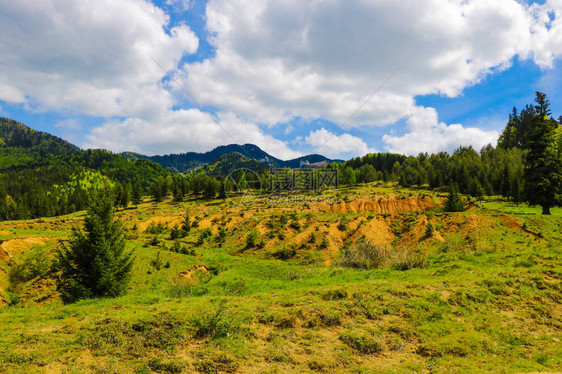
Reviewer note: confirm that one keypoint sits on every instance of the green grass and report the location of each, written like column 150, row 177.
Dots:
column 487, row 300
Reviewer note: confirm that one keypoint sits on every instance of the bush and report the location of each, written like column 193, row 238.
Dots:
column 252, row 238
column 429, row 229
column 342, row 226
column 175, row 233
column 363, row 255
column 203, row 235
column 154, row 228
column 187, row 251
column 176, row 247
column 213, row 325
column 285, row 253
column 361, row 343
column 407, row 258
column 157, row 262
column 221, row 236
column 295, row 225
column 312, row 238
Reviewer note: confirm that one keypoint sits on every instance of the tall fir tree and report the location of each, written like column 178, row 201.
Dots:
column 136, row 194
column 95, row 264
column 454, row 202
column 543, row 168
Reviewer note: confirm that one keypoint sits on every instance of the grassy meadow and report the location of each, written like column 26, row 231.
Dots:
column 381, row 282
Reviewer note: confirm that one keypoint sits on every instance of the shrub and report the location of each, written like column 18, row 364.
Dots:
column 285, row 253
column 295, row 225
column 406, row 258
column 176, row 247
column 252, row 238
column 364, row 255
column 221, row 236
column 361, row 343
column 187, row 251
column 175, row 233
column 35, row 265
column 342, row 226
column 154, row 228
column 157, row 262
column 213, row 325
column 312, row 238
column 429, row 230
column 324, row 243
column 154, row 241
column 203, row 235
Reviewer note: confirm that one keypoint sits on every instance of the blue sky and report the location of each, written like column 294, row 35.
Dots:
column 281, row 74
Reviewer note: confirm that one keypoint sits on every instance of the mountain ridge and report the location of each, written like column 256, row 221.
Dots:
column 183, row 162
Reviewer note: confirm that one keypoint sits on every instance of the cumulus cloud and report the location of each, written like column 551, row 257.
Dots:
column 332, row 145
column 321, row 59
column 89, row 57
column 180, row 5
column 181, row 131
column 273, row 61
column 427, row 134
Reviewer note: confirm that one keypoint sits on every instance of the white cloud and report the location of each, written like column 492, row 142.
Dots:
column 427, row 134
column 89, row 57
column 181, row 131
column 276, row 60
column 332, row 145
column 180, row 5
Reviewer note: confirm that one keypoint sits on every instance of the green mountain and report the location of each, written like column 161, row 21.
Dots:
column 226, row 164
column 182, row 163
column 20, row 145
column 43, row 175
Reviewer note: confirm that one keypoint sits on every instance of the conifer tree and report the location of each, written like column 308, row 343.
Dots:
column 136, row 194
column 543, row 168
column 95, row 264
column 454, row 202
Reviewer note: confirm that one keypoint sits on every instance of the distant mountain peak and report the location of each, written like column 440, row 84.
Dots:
column 190, row 160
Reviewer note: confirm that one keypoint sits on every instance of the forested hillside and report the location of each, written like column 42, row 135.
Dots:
column 20, row 145
column 43, row 175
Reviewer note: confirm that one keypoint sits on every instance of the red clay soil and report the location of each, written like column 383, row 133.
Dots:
column 410, row 204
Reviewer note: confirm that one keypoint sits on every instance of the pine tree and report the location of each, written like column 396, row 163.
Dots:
column 177, row 191
column 349, row 176
column 95, row 264
column 125, row 196
column 158, row 190
column 506, row 182
column 543, row 168
column 136, row 194
column 210, row 188
column 454, row 202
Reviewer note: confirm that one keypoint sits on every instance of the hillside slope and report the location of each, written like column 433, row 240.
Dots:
column 20, row 144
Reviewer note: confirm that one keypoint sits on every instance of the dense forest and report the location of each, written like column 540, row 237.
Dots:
column 42, row 175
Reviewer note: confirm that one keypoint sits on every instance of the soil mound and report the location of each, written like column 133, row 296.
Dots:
column 390, row 206
column 12, row 247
